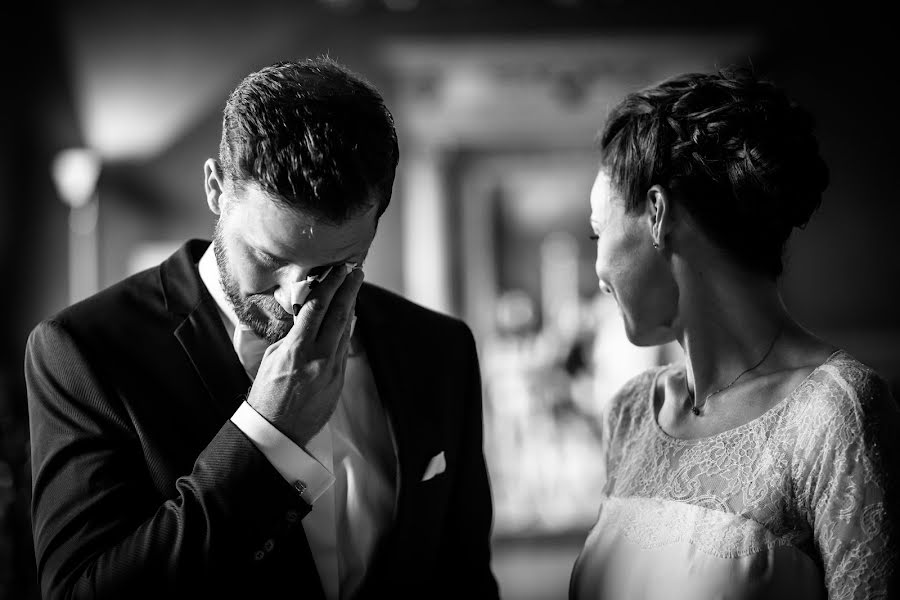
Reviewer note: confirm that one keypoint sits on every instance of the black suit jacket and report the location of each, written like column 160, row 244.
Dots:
column 142, row 486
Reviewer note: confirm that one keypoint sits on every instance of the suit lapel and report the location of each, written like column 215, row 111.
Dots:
column 401, row 372
column 206, row 343
column 201, row 332
column 386, row 360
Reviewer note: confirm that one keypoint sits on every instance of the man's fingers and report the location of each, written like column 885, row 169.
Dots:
column 341, row 311
column 343, row 348
column 314, row 309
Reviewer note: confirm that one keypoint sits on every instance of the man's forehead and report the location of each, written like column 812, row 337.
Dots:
column 271, row 226
column 601, row 192
column 258, row 199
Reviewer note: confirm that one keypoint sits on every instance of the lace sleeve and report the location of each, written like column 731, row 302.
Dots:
column 850, row 484
column 622, row 414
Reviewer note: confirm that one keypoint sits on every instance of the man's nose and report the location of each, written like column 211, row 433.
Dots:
column 283, row 288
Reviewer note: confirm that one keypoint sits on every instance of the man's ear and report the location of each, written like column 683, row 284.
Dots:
column 214, row 185
column 659, row 215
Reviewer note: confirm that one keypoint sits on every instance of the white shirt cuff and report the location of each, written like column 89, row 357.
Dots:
column 289, row 459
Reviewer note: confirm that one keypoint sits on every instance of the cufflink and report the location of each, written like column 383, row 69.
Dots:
column 301, row 488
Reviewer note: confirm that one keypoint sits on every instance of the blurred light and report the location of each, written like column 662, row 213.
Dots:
column 83, row 219
column 147, row 75
column 426, row 264
column 515, row 311
column 75, row 172
column 148, row 254
column 559, row 281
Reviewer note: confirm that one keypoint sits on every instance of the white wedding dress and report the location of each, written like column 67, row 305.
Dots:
column 798, row 503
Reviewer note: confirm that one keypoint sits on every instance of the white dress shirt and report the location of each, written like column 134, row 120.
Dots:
column 349, row 468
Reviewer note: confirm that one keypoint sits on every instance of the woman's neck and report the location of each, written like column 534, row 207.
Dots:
column 730, row 323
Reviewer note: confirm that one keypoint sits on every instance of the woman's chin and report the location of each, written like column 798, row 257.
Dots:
column 648, row 336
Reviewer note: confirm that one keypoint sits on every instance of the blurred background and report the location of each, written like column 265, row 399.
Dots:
column 110, row 108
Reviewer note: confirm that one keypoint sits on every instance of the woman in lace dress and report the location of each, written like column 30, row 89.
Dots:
column 765, row 464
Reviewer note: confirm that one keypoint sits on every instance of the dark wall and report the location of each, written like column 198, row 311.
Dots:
column 36, row 120
column 843, row 272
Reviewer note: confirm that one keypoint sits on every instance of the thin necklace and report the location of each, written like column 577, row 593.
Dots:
column 696, row 409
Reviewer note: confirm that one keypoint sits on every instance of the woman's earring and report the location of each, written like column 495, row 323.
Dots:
column 656, row 245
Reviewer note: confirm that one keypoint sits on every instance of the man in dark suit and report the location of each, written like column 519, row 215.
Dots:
column 197, row 429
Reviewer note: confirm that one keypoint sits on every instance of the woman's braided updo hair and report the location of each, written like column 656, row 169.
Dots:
column 735, row 151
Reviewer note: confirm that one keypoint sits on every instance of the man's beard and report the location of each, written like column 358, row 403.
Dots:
column 255, row 310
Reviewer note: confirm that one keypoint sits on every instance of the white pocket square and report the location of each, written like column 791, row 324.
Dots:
column 437, row 466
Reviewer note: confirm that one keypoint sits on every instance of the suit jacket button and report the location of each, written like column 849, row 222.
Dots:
column 292, row 516
column 259, row 555
column 268, row 545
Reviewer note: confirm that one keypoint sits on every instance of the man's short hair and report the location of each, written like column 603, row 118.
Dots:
column 313, row 134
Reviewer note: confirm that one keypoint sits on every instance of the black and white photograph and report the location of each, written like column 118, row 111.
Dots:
column 479, row 299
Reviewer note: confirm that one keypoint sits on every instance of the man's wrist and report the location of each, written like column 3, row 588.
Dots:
column 298, row 429
column 293, row 461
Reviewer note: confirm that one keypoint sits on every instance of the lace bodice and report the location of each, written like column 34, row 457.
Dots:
column 818, row 471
